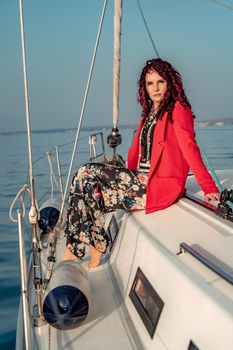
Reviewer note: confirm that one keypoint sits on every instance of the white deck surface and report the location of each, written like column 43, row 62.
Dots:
column 105, row 327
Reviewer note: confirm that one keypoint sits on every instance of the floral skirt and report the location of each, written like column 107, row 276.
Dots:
column 98, row 189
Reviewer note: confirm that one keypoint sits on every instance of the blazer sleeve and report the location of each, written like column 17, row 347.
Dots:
column 184, row 130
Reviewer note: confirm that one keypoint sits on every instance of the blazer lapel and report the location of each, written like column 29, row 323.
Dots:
column 158, row 141
column 159, row 133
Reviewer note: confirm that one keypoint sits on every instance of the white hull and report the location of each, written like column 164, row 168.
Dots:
column 198, row 303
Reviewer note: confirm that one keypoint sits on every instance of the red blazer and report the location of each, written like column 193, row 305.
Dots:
column 174, row 150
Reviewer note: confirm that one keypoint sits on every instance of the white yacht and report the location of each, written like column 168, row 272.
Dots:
column 165, row 283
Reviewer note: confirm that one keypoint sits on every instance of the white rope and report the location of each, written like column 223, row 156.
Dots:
column 83, row 109
column 116, row 60
column 20, row 194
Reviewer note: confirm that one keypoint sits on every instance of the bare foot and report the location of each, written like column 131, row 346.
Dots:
column 68, row 255
column 95, row 257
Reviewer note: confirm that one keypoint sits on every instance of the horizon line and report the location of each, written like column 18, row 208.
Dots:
column 89, row 128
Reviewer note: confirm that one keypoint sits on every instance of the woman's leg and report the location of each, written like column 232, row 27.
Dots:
column 97, row 189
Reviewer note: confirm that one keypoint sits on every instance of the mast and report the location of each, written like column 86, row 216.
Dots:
column 114, row 139
column 116, row 60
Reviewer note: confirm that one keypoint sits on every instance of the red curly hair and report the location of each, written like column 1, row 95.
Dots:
column 175, row 91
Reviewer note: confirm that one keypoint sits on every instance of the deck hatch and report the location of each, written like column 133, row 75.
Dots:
column 146, row 300
column 112, row 231
column 192, row 346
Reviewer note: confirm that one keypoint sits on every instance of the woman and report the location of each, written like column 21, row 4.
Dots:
column 163, row 149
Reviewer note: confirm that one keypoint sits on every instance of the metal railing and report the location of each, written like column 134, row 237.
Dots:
column 184, row 247
column 24, row 292
column 92, row 142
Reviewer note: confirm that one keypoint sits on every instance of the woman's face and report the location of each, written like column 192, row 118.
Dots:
column 156, row 86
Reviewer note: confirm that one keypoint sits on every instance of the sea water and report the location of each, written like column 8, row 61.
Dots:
column 216, row 139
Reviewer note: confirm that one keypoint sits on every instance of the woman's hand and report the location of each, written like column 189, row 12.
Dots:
column 213, row 196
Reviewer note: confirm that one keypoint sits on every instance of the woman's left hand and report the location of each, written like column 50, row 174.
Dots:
column 213, row 196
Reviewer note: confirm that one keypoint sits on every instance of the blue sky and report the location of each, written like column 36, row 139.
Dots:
column 194, row 35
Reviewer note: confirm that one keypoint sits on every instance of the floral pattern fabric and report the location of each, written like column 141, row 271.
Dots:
column 97, row 189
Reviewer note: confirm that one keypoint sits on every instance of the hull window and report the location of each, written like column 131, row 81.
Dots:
column 147, row 302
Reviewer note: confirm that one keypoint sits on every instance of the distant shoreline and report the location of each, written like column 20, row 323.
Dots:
column 87, row 128
column 201, row 123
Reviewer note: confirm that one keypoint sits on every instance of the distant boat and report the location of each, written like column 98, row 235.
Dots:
column 220, row 123
column 202, row 124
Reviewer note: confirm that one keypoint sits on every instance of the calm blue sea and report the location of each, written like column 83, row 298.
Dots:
column 217, row 140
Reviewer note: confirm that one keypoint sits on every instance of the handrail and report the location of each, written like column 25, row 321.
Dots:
column 204, row 260
column 23, row 273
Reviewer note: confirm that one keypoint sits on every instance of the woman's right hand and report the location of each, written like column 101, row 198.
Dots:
column 213, row 196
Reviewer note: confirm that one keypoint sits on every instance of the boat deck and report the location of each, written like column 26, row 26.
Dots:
column 105, row 326
column 198, row 303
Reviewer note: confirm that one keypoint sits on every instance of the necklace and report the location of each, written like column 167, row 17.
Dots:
column 153, row 111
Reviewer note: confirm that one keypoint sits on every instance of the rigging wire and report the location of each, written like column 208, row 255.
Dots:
column 26, row 90
column 33, row 211
column 147, row 29
column 221, row 3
